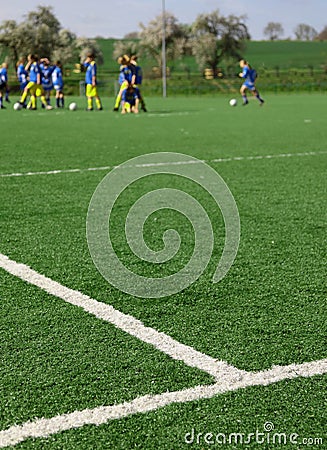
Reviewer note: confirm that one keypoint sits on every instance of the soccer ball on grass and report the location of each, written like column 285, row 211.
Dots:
column 233, row 102
column 17, row 106
column 73, row 106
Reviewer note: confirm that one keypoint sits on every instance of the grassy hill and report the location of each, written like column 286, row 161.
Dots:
column 265, row 54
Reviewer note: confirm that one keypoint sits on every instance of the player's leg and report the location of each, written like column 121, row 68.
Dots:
column 97, row 98
column 135, row 108
column 27, row 89
column 255, row 92
column 118, row 98
column 125, row 108
column 1, row 98
column 89, row 96
column 243, row 94
column 39, row 92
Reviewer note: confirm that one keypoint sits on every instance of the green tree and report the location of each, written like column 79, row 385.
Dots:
column 126, row 47
column 151, row 38
column 215, row 38
column 273, row 31
column 304, row 32
column 322, row 36
column 85, row 45
column 40, row 33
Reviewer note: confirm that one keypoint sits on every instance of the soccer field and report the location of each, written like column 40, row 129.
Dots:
column 236, row 364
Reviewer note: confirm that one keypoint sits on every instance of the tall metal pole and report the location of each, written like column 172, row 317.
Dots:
column 164, row 70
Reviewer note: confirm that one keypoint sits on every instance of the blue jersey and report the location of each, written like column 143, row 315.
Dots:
column 130, row 96
column 46, row 79
column 91, row 71
column 249, row 75
column 138, row 74
column 126, row 73
column 57, row 79
column 3, row 75
column 34, row 72
column 22, row 74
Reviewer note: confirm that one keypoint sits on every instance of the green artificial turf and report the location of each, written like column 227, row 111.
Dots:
column 269, row 309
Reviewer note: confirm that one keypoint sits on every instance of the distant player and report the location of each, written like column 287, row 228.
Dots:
column 249, row 76
column 34, row 86
column 3, row 83
column 126, row 77
column 46, row 78
column 138, row 79
column 91, row 82
column 130, row 100
column 22, row 74
column 58, row 84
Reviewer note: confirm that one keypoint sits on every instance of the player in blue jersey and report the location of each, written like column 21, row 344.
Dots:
column 126, row 77
column 3, row 83
column 91, row 82
column 22, row 76
column 34, row 86
column 46, row 78
column 58, row 84
column 249, row 76
column 138, row 79
column 130, row 100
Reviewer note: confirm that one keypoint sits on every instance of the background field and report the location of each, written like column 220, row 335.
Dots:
column 269, row 309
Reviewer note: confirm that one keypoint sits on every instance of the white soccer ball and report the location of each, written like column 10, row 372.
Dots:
column 233, row 102
column 17, row 106
column 73, row 106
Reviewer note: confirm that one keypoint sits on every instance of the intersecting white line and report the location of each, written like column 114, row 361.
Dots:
column 228, row 378
column 216, row 160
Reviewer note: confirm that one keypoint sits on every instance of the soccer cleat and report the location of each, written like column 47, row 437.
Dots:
column 246, row 103
column 115, row 109
column 100, row 109
column 144, row 109
column 89, row 109
column 2, row 107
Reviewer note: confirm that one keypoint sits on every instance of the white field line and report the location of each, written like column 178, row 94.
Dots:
column 45, row 427
column 228, row 378
column 161, row 341
column 172, row 163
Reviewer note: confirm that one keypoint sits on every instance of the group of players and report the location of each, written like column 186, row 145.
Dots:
column 38, row 78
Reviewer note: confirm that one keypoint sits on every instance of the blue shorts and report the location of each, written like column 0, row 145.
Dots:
column 249, row 85
column 58, row 87
column 23, row 85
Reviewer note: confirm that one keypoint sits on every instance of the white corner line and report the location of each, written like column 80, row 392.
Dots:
column 173, row 163
column 45, row 427
column 161, row 341
column 228, row 378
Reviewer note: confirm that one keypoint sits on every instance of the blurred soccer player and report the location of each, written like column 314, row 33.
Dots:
column 126, row 77
column 138, row 79
column 46, row 78
column 58, row 84
column 130, row 100
column 91, row 83
column 3, row 83
column 34, row 86
column 249, row 76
